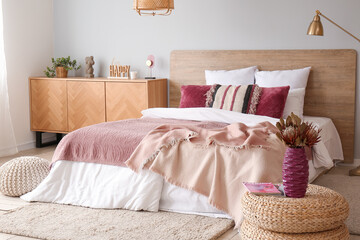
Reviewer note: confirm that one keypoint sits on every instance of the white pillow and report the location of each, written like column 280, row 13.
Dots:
column 243, row 76
column 295, row 103
column 294, row 78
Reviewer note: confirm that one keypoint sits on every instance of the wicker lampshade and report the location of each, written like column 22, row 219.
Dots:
column 153, row 7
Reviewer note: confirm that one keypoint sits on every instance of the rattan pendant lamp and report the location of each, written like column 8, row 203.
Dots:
column 154, row 7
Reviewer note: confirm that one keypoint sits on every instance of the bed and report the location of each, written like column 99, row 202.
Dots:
column 329, row 104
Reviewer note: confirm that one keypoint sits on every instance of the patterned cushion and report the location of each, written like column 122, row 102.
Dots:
column 242, row 98
column 22, row 175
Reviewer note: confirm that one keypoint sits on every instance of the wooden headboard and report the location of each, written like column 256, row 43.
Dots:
column 330, row 90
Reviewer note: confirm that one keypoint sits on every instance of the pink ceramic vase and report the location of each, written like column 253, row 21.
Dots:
column 295, row 172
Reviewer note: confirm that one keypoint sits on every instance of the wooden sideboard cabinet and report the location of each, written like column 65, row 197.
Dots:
column 62, row 105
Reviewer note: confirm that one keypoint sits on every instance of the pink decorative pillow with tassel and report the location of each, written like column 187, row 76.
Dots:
column 193, row 95
column 272, row 101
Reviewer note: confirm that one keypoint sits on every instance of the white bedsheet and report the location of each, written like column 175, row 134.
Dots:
column 207, row 114
column 99, row 186
column 104, row 186
column 117, row 187
column 176, row 199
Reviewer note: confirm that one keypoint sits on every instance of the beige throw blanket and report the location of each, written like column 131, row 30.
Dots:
column 213, row 162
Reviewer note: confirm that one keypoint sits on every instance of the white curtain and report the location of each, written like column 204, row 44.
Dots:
column 7, row 137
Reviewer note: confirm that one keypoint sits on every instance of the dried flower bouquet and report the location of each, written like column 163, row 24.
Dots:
column 296, row 133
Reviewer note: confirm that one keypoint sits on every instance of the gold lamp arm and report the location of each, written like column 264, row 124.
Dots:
column 319, row 13
column 316, row 28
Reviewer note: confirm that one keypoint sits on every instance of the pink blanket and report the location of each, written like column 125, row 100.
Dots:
column 213, row 162
column 112, row 143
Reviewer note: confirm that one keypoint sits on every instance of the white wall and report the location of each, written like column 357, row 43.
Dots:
column 28, row 34
column 35, row 29
column 110, row 28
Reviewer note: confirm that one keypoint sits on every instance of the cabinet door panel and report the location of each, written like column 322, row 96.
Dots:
column 157, row 91
column 48, row 105
column 125, row 100
column 86, row 103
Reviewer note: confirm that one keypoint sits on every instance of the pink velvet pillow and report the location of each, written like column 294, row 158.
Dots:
column 193, row 95
column 272, row 101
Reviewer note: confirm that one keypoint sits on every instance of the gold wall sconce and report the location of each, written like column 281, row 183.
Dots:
column 316, row 28
column 154, row 7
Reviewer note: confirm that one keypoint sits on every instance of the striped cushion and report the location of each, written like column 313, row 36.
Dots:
column 242, row 98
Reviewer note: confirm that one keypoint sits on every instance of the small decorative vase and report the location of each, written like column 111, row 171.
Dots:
column 61, row 72
column 295, row 172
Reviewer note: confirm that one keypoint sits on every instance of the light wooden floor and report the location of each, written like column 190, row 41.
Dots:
column 10, row 203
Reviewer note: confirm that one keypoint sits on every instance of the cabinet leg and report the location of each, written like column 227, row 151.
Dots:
column 40, row 144
column 59, row 136
column 38, row 139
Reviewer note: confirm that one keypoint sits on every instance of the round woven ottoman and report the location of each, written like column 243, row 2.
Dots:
column 252, row 232
column 22, row 175
column 321, row 209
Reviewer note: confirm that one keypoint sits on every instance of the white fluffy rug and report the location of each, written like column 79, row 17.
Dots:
column 54, row 221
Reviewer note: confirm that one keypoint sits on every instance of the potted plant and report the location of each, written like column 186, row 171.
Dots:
column 297, row 135
column 61, row 66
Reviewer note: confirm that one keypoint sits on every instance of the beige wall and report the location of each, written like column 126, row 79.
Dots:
column 28, row 35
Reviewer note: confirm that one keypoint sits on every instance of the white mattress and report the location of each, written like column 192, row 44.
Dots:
column 104, row 186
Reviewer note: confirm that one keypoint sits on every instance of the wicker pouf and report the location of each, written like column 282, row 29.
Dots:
column 22, row 175
column 321, row 209
column 252, row 232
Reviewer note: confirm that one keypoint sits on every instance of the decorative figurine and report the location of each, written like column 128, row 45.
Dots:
column 150, row 62
column 89, row 71
column 119, row 72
